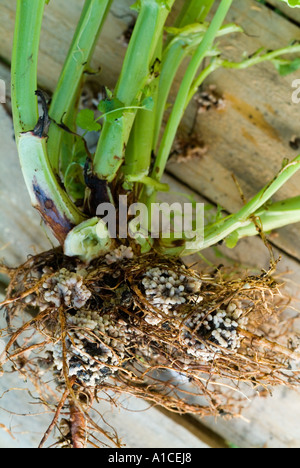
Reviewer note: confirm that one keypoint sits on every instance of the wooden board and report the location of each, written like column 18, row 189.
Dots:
column 251, row 137
column 251, row 147
column 253, row 132
column 291, row 13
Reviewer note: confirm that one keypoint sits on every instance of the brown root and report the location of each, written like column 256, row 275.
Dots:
column 150, row 327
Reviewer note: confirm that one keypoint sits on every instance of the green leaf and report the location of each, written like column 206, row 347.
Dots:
column 86, row 121
column 148, row 103
column 109, row 93
column 109, row 105
column 73, row 150
column 292, row 3
column 111, row 108
column 136, row 6
column 285, row 67
column 219, row 214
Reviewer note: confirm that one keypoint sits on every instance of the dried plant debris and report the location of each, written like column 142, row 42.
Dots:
column 187, row 148
column 190, row 147
column 140, row 325
column 209, row 99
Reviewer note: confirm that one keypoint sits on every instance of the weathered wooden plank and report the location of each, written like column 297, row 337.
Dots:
column 267, row 423
column 292, row 13
column 251, row 137
column 261, row 94
column 255, row 129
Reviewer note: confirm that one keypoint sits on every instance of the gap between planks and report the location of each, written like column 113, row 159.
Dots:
column 185, row 419
column 197, row 428
column 290, row 14
column 172, row 177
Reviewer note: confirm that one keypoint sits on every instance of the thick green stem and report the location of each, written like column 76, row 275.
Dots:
column 78, row 61
column 140, row 144
column 111, row 147
column 176, row 49
column 29, row 16
column 46, row 194
column 173, row 58
column 193, row 11
column 183, row 93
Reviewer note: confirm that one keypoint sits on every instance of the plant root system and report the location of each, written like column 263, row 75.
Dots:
column 148, row 326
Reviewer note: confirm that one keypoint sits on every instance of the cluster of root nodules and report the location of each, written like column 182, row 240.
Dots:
column 146, row 326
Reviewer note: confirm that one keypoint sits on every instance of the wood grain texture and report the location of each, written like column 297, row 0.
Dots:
column 292, row 13
column 249, row 138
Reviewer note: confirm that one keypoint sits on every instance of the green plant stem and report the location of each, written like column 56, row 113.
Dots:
column 77, row 62
column 222, row 229
column 28, row 23
column 193, row 11
column 139, row 149
column 46, row 194
column 219, row 63
column 183, row 93
column 215, row 64
column 115, row 133
column 256, row 59
column 149, row 182
column 277, row 215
